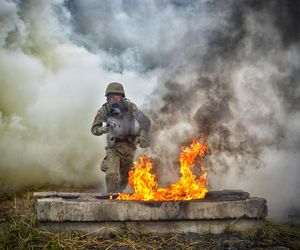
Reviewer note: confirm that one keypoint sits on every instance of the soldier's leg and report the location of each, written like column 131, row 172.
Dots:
column 126, row 164
column 111, row 166
column 124, row 169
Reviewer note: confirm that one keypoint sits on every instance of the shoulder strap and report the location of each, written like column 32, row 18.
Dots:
column 106, row 107
column 131, row 107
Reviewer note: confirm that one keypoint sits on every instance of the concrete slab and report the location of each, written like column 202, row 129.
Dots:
column 90, row 212
column 58, row 209
column 105, row 229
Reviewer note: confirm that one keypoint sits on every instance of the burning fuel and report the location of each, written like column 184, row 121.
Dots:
column 189, row 187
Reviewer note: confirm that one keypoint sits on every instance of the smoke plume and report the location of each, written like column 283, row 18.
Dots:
column 228, row 70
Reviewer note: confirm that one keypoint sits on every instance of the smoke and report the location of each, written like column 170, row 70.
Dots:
column 242, row 92
column 50, row 90
column 225, row 69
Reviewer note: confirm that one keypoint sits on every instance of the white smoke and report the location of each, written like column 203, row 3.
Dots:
column 51, row 89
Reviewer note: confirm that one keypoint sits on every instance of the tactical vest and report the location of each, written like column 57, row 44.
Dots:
column 122, row 126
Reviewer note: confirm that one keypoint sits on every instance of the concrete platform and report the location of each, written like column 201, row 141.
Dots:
column 94, row 213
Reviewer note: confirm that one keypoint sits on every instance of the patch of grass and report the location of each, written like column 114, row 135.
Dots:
column 21, row 233
column 270, row 233
column 289, row 236
column 208, row 237
column 24, row 233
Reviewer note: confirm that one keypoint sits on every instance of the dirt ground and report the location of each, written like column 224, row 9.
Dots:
column 20, row 230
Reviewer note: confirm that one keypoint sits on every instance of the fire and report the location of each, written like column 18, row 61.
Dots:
column 189, row 187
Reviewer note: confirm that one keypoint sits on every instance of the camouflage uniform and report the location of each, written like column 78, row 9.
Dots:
column 122, row 138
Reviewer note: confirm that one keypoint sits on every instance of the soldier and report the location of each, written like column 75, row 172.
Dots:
column 120, row 115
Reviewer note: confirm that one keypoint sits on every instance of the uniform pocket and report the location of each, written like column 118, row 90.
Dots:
column 104, row 164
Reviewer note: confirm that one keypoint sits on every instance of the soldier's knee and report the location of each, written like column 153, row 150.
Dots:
column 111, row 162
column 110, row 174
column 104, row 164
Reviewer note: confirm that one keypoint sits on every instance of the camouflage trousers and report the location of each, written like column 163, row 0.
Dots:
column 116, row 165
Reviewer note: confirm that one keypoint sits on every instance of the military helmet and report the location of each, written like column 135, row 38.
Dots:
column 114, row 88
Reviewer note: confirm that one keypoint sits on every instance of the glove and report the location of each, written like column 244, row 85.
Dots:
column 103, row 130
column 143, row 141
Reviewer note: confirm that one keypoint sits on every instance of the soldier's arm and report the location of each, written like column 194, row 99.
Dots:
column 100, row 117
column 144, row 122
column 140, row 117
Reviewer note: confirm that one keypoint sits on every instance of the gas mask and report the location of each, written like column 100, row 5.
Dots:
column 115, row 101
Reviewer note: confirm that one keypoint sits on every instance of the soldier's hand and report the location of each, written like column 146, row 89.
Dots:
column 103, row 130
column 143, row 141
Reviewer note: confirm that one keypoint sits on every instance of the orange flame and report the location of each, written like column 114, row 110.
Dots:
column 187, row 188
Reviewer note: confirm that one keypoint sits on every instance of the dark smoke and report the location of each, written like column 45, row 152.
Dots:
column 212, row 71
column 243, row 93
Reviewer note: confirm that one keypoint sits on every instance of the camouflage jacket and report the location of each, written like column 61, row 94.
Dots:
column 130, row 113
